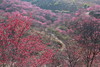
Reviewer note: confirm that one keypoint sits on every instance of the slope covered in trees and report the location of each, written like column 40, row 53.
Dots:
column 34, row 37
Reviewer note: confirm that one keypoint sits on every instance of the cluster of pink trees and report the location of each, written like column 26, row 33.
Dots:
column 86, row 31
column 41, row 17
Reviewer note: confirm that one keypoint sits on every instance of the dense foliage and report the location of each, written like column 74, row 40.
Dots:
column 34, row 37
column 66, row 5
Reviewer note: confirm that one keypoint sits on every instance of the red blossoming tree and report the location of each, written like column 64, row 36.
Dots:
column 17, row 48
